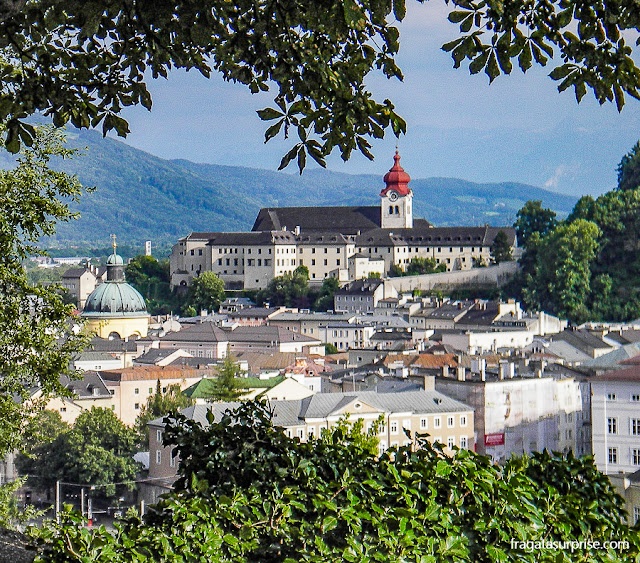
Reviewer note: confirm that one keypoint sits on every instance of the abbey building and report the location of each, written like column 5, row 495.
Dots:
column 348, row 243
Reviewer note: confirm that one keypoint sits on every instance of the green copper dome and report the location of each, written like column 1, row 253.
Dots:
column 115, row 297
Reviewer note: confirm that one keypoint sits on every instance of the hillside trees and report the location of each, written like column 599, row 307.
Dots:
column 152, row 278
column 247, row 492
column 84, row 62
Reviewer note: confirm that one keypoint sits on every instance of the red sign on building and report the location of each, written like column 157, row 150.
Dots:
column 496, row 439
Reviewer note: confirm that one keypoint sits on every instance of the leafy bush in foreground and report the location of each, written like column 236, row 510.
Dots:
column 247, row 492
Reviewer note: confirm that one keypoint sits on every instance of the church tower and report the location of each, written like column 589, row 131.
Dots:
column 395, row 199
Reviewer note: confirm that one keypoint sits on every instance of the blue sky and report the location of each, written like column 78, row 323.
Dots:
column 517, row 129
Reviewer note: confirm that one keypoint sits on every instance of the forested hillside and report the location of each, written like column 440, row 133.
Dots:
column 140, row 196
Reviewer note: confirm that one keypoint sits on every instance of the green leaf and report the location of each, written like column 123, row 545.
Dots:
column 269, row 113
column 273, row 130
column 399, row 9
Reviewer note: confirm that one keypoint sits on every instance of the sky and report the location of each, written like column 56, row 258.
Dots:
column 518, row 129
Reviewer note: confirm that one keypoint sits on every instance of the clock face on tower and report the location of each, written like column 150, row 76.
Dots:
column 392, row 195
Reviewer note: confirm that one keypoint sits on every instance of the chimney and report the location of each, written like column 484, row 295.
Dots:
column 445, row 370
column 512, row 370
column 502, row 369
column 429, row 383
column 296, row 231
column 460, row 373
column 203, row 312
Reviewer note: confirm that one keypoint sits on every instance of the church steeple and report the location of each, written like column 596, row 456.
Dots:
column 395, row 204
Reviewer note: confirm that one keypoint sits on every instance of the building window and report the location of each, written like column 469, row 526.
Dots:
column 159, row 436
column 137, row 406
column 136, row 391
column 393, row 427
column 301, row 433
column 311, row 431
column 611, row 396
column 463, row 420
column 150, row 390
column 158, row 457
column 635, row 456
column 450, row 422
column 423, row 423
column 313, row 261
column 172, row 460
column 636, row 514
column 463, row 442
column 613, row 455
column 451, row 441
column 635, row 398
column 612, row 425
column 437, row 422
column 635, row 426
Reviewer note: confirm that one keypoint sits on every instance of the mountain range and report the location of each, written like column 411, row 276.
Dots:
column 141, row 197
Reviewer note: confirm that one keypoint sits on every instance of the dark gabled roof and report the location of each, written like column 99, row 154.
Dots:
column 360, row 287
column 329, row 237
column 201, row 332
column 91, row 385
column 251, row 238
column 253, row 312
column 482, row 314
column 266, row 333
column 154, row 355
column 450, row 311
column 422, row 234
column 581, row 339
column 115, row 345
column 346, row 220
column 74, row 272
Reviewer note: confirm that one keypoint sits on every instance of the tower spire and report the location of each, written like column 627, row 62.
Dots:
column 113, row 243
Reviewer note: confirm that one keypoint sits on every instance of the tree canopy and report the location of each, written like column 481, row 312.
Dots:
column 98, row 450
column 206, row 292
column 227, row 385
column 247, row 492
column 35, row 340
column 84, row 61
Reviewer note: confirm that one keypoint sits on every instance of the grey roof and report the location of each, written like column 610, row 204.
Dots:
column 74, row 272
column 115, row 345
column 322, row 405
column 91, row 385
column 154, row 355
column 251, row 238
column 450, row 311
column 613, row 358
column 422, row 234
column 581, row 339
column 320, row 317
column 346, row 220
column 258, row 312
column 360, row 287
column 266, row 333
column 92, row 356
column 567, row 351
column 201, row 332
column 417, row 402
